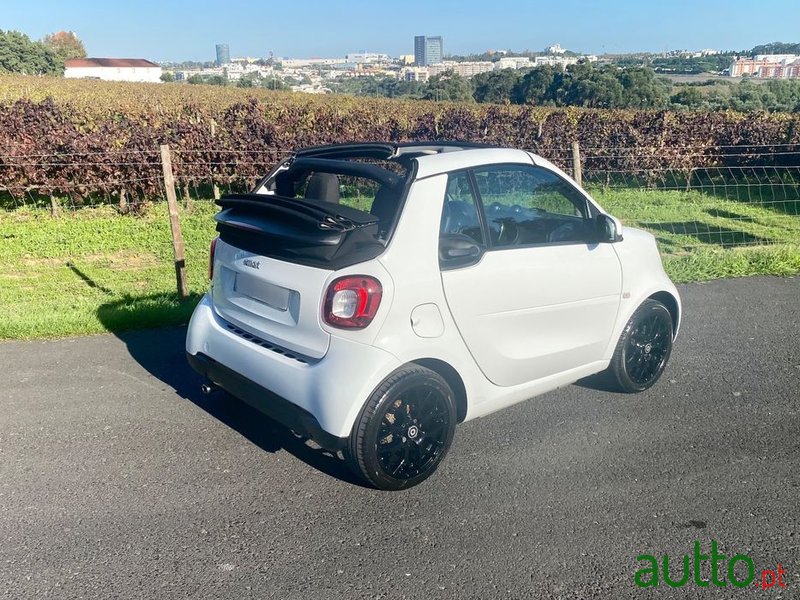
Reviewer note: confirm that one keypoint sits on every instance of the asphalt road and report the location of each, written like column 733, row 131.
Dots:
column 119, row 480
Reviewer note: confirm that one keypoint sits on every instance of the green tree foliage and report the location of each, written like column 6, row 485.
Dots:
column 387, row 87
column 590, row 87
column 587, row 85
column 689, row 97
column 776, row 48
column 448, row 86
column 18, row 54
column 746, row 95
column 65, row 44
column 692, row 65
column 496, row 86
column 208, row 80
column 539, row 86
column 167, row 76
column 642, row 89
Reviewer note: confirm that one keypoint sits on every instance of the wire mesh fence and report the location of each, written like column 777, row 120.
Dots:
column 727, row 196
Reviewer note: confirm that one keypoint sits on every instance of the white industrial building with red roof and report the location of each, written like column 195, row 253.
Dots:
column 113, row 69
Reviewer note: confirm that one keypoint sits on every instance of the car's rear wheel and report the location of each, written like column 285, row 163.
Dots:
column 404, row 430
column 643, row 348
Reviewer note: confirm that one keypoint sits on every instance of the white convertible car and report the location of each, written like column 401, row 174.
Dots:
column 372, row 296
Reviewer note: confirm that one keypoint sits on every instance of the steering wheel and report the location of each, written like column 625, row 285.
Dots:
column 508, row 233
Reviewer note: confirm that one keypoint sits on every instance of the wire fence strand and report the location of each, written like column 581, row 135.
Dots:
column 726, row 195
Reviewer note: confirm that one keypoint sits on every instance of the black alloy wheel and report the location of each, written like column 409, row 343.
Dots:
column 643, row 348
column 404, row 430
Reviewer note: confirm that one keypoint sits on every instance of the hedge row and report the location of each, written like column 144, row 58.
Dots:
column 62, row 148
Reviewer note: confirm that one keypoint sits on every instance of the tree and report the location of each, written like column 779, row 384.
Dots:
column 168, row 77
column 776, row 48
column 65, row 44
column 539, row 86
column 18, row 54
column 448, row 86
column 495, row 86
column 688, row 96
column 591, row 87
column 641, row 88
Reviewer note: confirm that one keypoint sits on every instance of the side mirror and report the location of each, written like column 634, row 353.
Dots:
column 608, row 229
column 458, row 250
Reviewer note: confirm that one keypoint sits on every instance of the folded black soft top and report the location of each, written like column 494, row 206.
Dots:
column 326, row 215
column 309, row 232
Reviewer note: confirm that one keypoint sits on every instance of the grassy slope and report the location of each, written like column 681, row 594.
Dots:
column 93, row 270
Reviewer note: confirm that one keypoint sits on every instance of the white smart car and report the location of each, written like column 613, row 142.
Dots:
column 372, row 296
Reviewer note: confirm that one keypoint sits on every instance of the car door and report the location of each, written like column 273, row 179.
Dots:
column 543, row 298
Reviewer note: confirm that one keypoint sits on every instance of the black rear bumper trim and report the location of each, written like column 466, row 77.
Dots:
column 277, row 408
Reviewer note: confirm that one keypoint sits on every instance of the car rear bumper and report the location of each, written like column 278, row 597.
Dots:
column 279, row 409
column 319, row 398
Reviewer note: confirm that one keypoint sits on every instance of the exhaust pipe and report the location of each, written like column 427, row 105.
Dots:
column 207, row 388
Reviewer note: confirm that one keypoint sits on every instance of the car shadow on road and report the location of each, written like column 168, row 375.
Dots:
column 601, row 382
column 161, row 352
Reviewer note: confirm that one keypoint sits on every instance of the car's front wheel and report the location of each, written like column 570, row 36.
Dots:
column 643, row 348
column 404, row 430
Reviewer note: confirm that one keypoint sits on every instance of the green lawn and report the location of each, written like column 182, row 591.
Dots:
column 92, row 270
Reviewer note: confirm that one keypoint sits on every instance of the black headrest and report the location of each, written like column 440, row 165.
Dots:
column 323, row 186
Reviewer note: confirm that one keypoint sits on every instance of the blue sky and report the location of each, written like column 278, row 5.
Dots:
column 188, row 30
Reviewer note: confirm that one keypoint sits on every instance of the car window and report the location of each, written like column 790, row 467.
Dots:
column 531, row 205
column 460, row 210
column 355, row 192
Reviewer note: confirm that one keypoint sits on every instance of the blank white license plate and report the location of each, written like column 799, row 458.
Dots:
column 270, row 294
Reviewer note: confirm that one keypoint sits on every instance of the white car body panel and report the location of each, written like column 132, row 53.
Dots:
column 531, row 318
column 538, row 311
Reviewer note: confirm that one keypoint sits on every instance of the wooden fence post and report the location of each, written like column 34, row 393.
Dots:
column 577, row 174
column 174, row 222
column 214, row 186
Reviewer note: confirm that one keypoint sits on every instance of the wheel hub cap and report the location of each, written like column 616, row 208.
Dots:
column 413, row 432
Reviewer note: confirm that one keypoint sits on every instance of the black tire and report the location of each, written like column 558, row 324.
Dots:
column 404, row 430
column 643, row 348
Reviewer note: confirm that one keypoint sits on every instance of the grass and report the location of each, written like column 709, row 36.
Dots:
column 92, row 270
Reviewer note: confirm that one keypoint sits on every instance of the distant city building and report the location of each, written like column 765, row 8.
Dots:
column 555, row 49
column 414, row 74
column 559, row 61
column 428, row 50
column 767, row 66
column 465, row 69
column 407, row 59
column 113, row 69
column 419, row 50
column 513, row 62
column 367, row 57
column 298, row 63
column 223, row 54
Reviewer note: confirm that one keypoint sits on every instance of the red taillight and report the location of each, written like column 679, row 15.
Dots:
column 352, row 302
column 211, row 251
